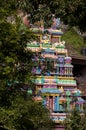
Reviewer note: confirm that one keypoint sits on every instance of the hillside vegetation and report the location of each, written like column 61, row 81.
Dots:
column 74, row 41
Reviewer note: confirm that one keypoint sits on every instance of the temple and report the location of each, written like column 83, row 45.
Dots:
column 55, row 84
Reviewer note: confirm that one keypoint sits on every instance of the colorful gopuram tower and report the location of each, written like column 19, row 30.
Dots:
column 55, row 85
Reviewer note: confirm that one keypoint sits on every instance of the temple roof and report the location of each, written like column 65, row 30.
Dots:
column 48, row 50
column 55, row 31
column 80, row 99
column 51, row 90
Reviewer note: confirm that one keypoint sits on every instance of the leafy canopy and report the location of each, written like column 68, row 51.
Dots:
column 72, row 12
column 75, row 121
column 17, row 109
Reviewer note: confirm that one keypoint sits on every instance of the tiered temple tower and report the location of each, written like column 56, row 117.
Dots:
column 55, row 85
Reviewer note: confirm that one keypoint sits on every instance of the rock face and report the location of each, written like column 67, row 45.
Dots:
column 26, row 21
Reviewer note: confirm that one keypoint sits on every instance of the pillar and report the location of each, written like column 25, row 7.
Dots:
column 44, row 101
column 56, row 103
